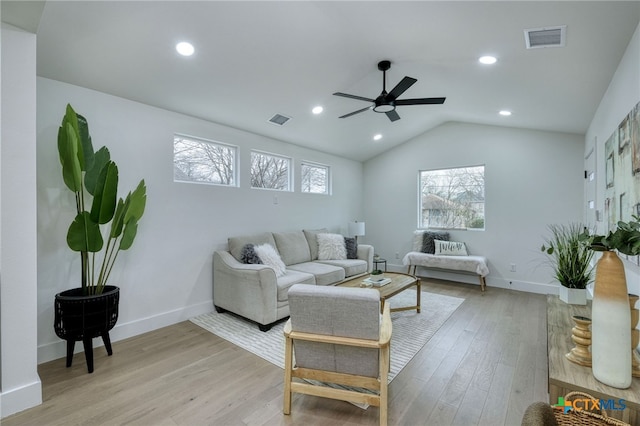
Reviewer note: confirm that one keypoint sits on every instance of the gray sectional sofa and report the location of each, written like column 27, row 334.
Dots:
column 255, row 292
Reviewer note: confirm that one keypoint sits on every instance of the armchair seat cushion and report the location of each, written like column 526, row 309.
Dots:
column 324, row 274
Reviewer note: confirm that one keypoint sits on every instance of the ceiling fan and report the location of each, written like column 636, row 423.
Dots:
column 387, row 102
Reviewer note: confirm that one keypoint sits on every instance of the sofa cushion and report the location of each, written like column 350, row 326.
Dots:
column 292, row 277
column 248, row 254
column 331, row 246
column 324, row 274
column 293, row 247
column 312, row 240
column 351, row 245
column 270, row 257
column 237, row 243
column 351, row 266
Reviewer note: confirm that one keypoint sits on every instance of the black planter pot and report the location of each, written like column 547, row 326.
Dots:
column 81, row 318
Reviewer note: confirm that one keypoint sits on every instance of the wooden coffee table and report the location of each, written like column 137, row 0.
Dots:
column 399, row 283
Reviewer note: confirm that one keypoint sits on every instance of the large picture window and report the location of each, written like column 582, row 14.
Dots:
column 199, row 160
column 314, row 178
column 452, row 198
column 270, row 171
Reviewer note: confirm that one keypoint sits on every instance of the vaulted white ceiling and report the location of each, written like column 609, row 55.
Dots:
column 256, row 59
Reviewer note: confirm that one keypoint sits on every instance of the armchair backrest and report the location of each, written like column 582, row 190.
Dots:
column 336, row 311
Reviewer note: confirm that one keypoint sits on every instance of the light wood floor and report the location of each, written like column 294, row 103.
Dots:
column 484, row 366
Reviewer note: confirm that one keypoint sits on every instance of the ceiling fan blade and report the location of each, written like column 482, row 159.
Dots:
column 419, row 101
column 404, row 84
column 393, row 115
column 356, row 112
column 360, row 98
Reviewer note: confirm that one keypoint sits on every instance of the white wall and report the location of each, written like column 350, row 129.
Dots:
column 532, row 179
column 166, row 277
column 20, row 385
column 621, row 96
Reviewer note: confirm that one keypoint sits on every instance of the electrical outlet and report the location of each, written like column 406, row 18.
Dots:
column 513, row 267
column 275, row 199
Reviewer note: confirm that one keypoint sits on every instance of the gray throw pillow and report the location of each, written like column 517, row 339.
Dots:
column 352, row 247
column 428, row 246
column 248, row 254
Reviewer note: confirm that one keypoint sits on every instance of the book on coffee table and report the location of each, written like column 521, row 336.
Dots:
column 377, row 283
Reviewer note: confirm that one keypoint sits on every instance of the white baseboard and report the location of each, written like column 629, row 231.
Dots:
column 55, row 350
column 528, row 286
column 15, row 400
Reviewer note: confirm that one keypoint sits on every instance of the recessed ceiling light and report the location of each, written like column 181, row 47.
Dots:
column 377, row 137
column 487, row 60
column 185, row 49
column 317, row 110
column 505, row 113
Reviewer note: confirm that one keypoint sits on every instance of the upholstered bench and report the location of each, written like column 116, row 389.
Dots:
column 448, row 261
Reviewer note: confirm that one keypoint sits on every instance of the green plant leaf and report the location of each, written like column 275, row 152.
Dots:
column 87, row 157
column 118, row 220
column 136, row 202
column 101, row 157
column 84, row 234
column 68, row 153
column 104, row 198
column 129, row 234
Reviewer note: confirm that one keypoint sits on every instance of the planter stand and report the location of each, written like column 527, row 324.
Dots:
column 81, row 318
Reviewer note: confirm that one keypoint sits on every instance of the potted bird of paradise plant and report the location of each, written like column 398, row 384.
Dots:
column 104, row 226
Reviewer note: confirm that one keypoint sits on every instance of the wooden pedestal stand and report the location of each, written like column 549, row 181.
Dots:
column 581, row 336
column 635, row 336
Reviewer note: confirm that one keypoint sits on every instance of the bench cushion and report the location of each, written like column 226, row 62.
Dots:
column 474, row 264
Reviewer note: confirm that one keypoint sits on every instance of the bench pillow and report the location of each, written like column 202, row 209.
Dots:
column 450, row 248
column 428, row 239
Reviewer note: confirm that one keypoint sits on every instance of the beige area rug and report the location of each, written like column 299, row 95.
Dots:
column 411, row 331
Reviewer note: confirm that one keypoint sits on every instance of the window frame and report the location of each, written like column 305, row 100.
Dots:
column 420, row 219
column 312, row 164
column 271, row 154
column 234, row 149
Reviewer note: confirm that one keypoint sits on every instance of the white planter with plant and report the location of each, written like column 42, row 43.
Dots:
column 569, row 253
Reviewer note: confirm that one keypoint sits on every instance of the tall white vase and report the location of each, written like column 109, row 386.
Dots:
column 611, row 324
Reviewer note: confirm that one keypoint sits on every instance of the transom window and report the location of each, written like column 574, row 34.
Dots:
column 314, row 178
column 452, row 198
column 270, row 171
column 200, row 160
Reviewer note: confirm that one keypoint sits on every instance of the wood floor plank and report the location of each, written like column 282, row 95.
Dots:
column 490, row 354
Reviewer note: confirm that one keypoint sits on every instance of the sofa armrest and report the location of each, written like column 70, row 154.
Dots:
column 365, row 252
column 246, row 289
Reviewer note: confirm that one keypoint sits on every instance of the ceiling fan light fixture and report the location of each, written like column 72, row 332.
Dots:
column 384, row 107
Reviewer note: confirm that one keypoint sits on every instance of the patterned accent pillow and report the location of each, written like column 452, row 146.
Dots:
column 270, row 257
column 352, row 247
column 331, row 247
column 248, row 254
column 427, row 240
column 450, row 248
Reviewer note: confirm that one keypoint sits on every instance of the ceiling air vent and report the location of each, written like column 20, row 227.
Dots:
column 545, row 37
column 279, row 119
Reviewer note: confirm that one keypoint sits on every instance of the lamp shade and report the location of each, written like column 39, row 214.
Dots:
column 356, row 229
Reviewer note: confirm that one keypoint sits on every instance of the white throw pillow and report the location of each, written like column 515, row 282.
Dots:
column 450, row 248
column 331, row 247
column 270, row 257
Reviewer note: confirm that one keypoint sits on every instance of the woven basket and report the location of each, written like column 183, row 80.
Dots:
column 585, row 417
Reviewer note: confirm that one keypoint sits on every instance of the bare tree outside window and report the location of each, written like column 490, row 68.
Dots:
column 452, row 198
column 314, row 178
column 197, row 160
column 270, row 171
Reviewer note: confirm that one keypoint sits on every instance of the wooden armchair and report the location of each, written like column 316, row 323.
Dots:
column 339, row 337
